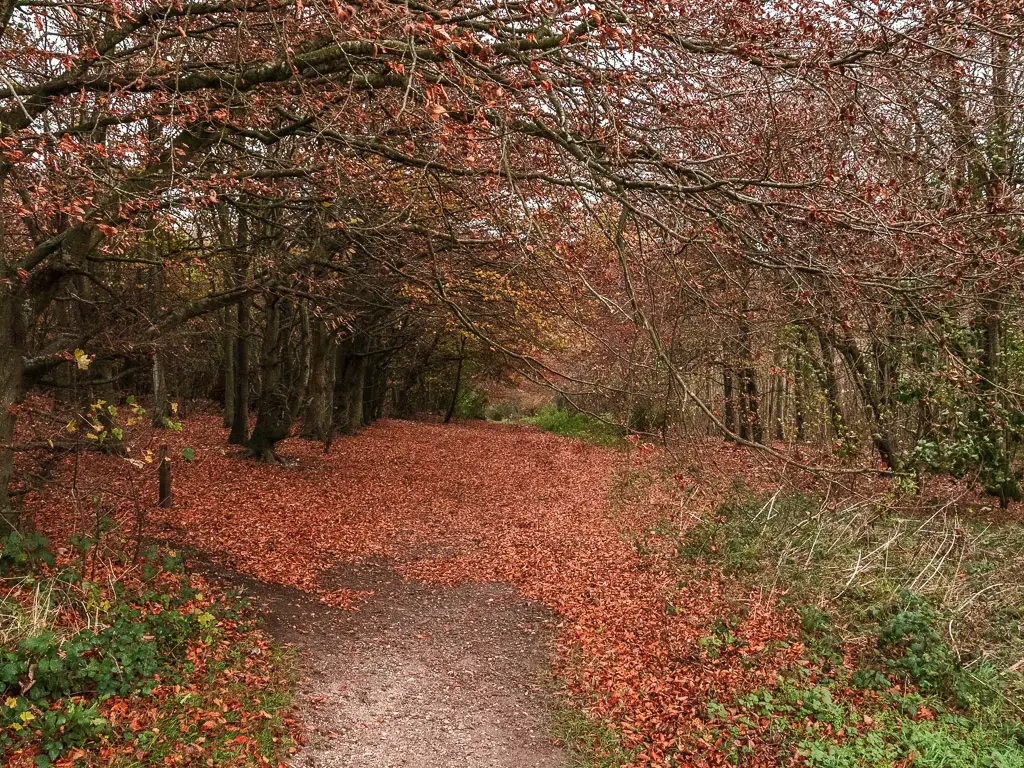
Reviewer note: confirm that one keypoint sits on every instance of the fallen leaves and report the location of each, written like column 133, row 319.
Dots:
column 476, row 502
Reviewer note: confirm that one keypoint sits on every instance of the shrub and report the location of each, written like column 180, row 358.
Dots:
column 865, row 572
column 75, row 646
column 471, row 404
column 579, row 426
column 916, row 649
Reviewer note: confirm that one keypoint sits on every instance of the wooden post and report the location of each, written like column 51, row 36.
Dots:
column 164, row 474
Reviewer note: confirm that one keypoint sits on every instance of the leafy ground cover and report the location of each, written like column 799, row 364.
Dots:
column 449, row 504
column 670, row 651
column 579, row 426
column 910, row 627
column 111, row 661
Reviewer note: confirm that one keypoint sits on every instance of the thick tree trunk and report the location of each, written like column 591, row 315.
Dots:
column 12, row 339
column 240, row 420
column 228, row 340
column 457, row 386
column 351, row 383
column 318, row 412
column 273, row 418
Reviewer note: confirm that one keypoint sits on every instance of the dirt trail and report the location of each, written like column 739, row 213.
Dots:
column 420, row 676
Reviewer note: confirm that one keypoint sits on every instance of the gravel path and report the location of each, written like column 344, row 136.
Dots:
column 420, row 676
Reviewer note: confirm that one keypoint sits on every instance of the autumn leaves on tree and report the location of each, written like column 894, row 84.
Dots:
column 799, row 222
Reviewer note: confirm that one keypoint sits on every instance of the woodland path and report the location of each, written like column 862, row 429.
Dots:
column 421, row 676
column 443, row 570
column 392, row 565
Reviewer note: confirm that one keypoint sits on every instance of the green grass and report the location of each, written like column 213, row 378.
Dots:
column 590, row 744
column 259, row 714
column 934, row 603
column 578, row 426
column 132, row 664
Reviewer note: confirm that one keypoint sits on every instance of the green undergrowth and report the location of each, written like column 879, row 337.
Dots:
column 590, row 743
column 910, row 627
column 579, row 426
column 123, row 661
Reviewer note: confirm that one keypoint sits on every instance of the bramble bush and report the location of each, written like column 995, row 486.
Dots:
column 71, row 645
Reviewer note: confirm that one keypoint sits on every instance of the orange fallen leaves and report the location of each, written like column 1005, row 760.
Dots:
column 475, row 502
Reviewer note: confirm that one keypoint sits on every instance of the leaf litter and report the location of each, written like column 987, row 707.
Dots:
column 470, row 503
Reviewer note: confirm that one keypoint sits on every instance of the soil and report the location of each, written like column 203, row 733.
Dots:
column 419, row 675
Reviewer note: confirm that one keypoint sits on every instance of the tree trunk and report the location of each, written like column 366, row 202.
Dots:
column 240, row 420
column 752, row 406
column 352, row 381
column 164, row 496
column 800, row 382
column 301, row 363
column 405, row 403
column 240, row 417
column 830, row 384
column 751, row 426
column 161, row 413
column 881, row 435
column 730, row 405
column 12, row 339
column 273, row 419
column 375, row 388
column 228, row 340
column 458, row 382
column 318, row 412
column 778, row 401
column 161, row 406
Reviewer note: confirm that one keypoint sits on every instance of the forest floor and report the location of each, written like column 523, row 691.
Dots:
column 413, row 526
column 490, row 594
column 419, row 676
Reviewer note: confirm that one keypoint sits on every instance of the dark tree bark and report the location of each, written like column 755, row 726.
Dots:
column 273, row 418
column 800, row 386
column 161, row 404
column 165, row 497
column 12, row 350
column 300, row 362
column 240, row 417
column 375, row 389
column 751, row 426
column 351, row 383
column 830, row 385
column 240, row 420
column 405, row 402
column 161, row 412
column 778, row 401
column 867, row 384
column 751, row 408
column 228, row 340
column 318, row 412
column 729, row 401
column 458, row 382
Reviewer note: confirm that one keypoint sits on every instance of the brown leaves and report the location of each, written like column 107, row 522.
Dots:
column 486, row 502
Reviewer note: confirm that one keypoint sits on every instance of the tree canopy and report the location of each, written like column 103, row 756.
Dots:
column 786, row 220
